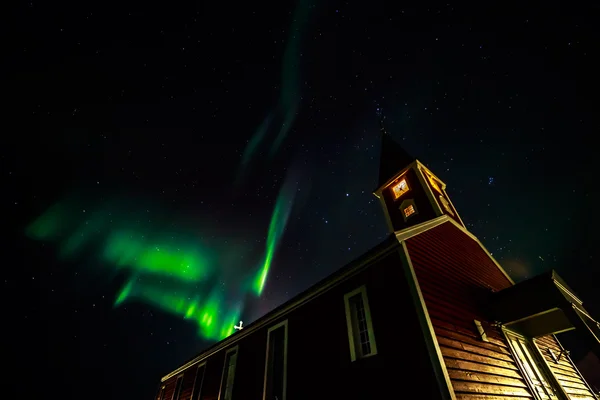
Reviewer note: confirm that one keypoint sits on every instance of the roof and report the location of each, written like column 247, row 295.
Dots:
column 392, row 160
column 545, row 305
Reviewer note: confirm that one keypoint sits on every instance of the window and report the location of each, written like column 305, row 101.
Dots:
column 197, row 391
column 433, row 183
column 408, row 208
column 530, row 367
column 228, row 374
column 360, row 327
column 178, row 386
column 276, row 363
column 408, row 211
column 446, row 205
column 400, row 188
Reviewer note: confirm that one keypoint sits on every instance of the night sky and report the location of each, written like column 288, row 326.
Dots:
column 200, row 127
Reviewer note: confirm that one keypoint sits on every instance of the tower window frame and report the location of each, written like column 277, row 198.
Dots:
column 446, row 205
column 397, row 189
column 408, row 203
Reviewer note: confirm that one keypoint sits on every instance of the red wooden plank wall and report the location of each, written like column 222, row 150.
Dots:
column 564, row 370
column 456, row 276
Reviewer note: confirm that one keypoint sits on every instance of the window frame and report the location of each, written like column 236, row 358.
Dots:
column 541, row 366
column 350, row 323
column 201, row 378
column 404, row 205
column 283, row 324
column 397, row 183
column 178, row 381
column 234, row 349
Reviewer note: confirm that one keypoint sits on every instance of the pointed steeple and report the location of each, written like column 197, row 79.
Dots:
column 408, row 191
column 393, row 157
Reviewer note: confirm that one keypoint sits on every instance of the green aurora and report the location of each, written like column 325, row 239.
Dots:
column 173, row 271
column 288, row 104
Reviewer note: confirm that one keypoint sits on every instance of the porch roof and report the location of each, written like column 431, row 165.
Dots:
column 545, row 305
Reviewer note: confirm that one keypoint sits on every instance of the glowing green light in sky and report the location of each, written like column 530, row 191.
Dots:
column 175, row 272
column 214, row 319
column 123, row 249
column 194, row 270
column 289, row 97
column 277, row 225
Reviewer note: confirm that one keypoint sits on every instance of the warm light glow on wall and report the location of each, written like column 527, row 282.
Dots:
column 400, row 188
column 446, row 205
column 433, row 183
column 408, row 211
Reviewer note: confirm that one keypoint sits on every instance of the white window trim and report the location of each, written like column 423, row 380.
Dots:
column 176, row 395
column 201, row 383
column 285, row 354
column 362, row 290
column 231, row 350
column 546, row 374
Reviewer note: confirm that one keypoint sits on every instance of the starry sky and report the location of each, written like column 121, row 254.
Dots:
column 231, row 129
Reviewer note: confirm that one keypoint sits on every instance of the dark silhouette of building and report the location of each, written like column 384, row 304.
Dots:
column 426, row 314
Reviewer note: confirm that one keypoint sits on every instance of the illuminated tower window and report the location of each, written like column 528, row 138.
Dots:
column 400, row 188
column 408, row 211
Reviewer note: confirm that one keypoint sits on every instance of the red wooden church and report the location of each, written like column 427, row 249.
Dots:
column 427, row 314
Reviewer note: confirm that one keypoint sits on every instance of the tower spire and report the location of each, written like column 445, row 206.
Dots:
column 381, row 117
column 393, row 157
column 409, row 193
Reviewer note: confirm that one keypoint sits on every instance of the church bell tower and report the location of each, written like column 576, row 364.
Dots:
column 408, row 191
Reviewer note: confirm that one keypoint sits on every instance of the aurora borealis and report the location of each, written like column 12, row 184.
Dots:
column 174, row 271
column 138, row 141
column 287, row 107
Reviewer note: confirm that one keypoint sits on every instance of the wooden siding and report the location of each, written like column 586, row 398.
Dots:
column 564, row 370
column 456, row 277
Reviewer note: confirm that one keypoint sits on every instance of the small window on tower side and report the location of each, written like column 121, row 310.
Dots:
column 408, row 209
column 399, row 188
column 433, row 183
column 446, row 205
column 360, row 327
